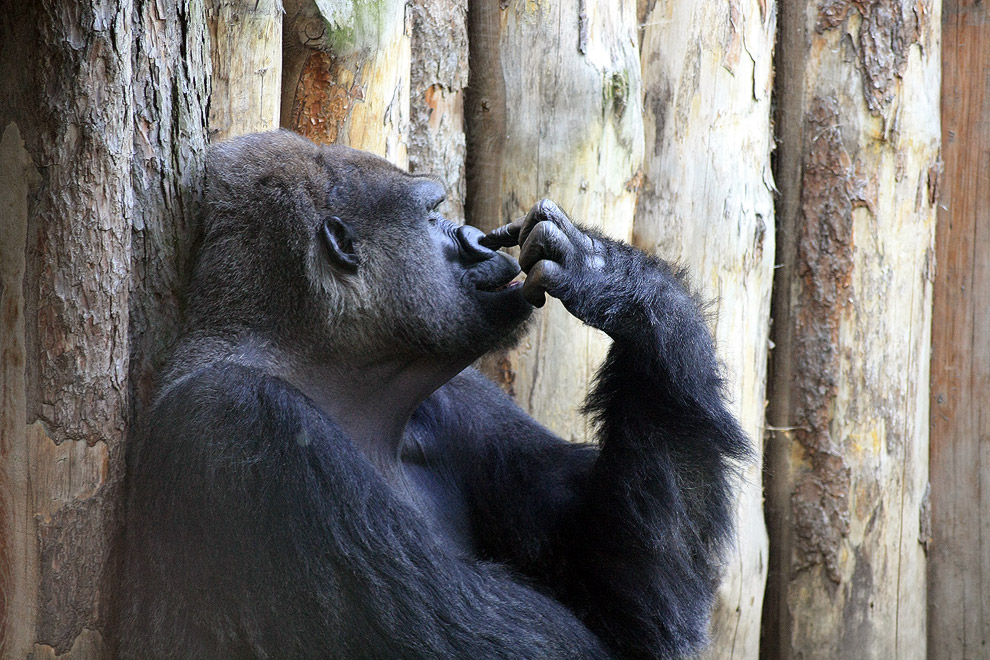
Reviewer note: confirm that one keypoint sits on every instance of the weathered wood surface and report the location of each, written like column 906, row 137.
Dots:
column 707, row 202
column 102, row 112
column 246, row 53
column 858, row 157
column 574, row 134
column 439, row 76
column 484, row 119
column 346, row 74
column 959, row 556
column 66, row 249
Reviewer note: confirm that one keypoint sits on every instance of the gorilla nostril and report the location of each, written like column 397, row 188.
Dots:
column 469, row 240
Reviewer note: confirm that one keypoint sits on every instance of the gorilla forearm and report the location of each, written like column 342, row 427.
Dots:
column 660, row 492
column 633, row 540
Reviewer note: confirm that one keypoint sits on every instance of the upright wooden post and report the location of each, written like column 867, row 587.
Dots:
column 346, row 74
column 246, row 50
column 573, row 133
column 707, row 203
column 959, row 559
column 439, row 76
column 102, row 122
column 858, row 147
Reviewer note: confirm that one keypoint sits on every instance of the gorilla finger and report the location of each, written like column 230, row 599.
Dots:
column 545, row 241
column 536, row 215
column 504, row 236
column 534, row 295
column 555, row 214
column 543, row 278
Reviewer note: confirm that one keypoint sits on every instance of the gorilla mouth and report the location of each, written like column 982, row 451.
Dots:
column 494, row 287
column 497, row 274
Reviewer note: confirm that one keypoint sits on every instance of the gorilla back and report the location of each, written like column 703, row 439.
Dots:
column 322, row 474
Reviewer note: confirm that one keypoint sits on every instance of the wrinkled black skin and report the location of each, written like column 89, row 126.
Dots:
column 256, row 528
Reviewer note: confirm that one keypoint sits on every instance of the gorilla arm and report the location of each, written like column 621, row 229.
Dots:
column 631, row 539
column 275, row 537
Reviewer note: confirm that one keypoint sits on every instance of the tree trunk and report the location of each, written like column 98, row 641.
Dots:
column 959, row 562
column 346, row 74
column 848, row 459
column 707, row 203
column 439, row 76
column 102, row 118
column 574, row 134
column 246, row 39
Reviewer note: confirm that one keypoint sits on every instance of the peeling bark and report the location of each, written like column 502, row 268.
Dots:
column 346, row 71
column 848, row 458
column 884, row 34
column 103, row 119
column 439, row 77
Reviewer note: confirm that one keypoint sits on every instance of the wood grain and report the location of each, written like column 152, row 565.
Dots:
column 246, row 53
column 858, row 121
column 959, row 560
column 706, row 202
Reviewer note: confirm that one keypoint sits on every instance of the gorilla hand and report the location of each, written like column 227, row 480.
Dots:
column 575, row 265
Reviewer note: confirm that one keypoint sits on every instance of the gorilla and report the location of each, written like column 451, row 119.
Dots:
column 322, row 474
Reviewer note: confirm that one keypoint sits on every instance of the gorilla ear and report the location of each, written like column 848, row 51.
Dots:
column 339, row 241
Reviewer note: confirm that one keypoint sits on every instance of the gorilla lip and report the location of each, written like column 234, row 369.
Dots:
column 496, row 287
column 496, row 275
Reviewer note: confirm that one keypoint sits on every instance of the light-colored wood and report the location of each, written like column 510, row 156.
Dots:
column 858, row 121
column 346, row 74
column 96, row 200
column 707, row 203
column 439, row 77
column 574, row 134
column 246, row 49
column 959, row 559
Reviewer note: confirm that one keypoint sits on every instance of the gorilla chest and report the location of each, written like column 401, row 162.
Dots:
column 442, row 505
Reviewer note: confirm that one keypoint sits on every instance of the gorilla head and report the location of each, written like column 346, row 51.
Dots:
column 386, row 274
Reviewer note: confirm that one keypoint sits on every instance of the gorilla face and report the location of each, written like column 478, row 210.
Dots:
column 441, row 292
column 333, row 246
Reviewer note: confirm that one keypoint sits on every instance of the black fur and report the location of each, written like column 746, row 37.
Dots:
column 258, row 527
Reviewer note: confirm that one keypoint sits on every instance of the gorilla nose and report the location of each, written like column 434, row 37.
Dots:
column 471, row 248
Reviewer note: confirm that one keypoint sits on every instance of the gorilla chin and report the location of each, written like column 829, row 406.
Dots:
column 502, row 303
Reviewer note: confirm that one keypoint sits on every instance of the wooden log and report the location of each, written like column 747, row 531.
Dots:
column 103, row 121
column 959, row 558
column 858, row 124
column 573, row 134
column 707, row 203
column 246, row 52
column 485, row 124
column 439, row 76
column 66, row 251
column 346, row 67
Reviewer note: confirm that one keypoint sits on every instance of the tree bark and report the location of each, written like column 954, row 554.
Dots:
column 439, row 76
column 707, row 203
column 959, row 561
column 346, row 74
column 102, row 120
column 848, row 459
column 574, row 134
